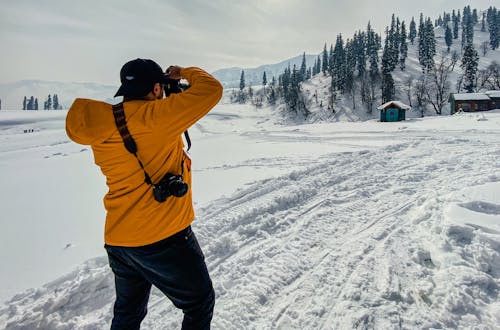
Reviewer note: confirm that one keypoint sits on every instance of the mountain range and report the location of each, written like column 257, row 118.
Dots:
column 13, row 93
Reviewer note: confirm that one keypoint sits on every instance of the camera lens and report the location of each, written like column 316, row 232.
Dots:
column 178, row 188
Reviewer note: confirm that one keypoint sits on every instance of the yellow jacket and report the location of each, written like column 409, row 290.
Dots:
column 134, row 217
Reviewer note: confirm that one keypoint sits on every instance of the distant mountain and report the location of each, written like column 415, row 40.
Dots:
column 12, row 94
column 231, row 77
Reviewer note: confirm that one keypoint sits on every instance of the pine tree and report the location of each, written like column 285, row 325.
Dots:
column 49, row 102
column 325, row 60
column 413, row 30
column 467, row 27
column 439, row 21
column 470, row 61
column 241, row 94
column 483, row 23
column 394, row 39
column 360, row 51
column 493, row 19
column 25, row 102
column 475, row 18
column 242, row 80
column 55, row 101
column 35, row 107
column 455, row 19
column 388, row 89
column 303, row 68
column 317, row 68
column 448, row 37
column 31, row 103
column 264, row 79
column 426, row 44
column 331, row 60
column 403, row 47
column 338, row 64
column 431, row 44
column 421, row 41
column 372, row 46
column 350, row 66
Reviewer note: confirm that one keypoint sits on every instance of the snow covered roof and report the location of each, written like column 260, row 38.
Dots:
column 471, row 97
column 397, row 104
column 494, row 94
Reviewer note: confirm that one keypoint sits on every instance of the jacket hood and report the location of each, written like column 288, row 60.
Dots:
column 89, row 122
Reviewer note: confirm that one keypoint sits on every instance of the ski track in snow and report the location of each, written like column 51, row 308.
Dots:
column 346, row 242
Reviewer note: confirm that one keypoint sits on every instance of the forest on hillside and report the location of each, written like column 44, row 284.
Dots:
column 362, row 69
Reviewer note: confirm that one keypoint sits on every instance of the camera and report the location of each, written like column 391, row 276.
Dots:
column 170, row 185
column 172, row 86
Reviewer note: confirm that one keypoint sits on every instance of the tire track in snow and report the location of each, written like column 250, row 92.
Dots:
column 300, row 216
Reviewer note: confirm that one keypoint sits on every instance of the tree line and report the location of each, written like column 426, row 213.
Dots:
column 50, row 103
column 358, row 72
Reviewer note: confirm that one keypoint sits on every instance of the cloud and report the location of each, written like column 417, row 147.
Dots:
column 90, row 40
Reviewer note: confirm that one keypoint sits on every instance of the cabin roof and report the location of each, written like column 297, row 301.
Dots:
column 397, row 104
column 471, row 97
column 494, row 94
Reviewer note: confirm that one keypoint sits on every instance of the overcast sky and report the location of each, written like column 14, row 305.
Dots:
column 90, row 40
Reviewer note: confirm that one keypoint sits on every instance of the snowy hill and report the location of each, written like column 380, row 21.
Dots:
column 230, row 77
column 316, row 91
column 333, row 225
column 12, row 94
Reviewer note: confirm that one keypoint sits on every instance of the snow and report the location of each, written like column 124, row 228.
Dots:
column 471, row 97
column 493, row 94
column 318, row 226
column 398, row 104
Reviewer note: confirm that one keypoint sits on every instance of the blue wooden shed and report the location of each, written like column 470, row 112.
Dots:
column 393, row 111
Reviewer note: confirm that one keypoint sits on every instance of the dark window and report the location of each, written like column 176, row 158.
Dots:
column 465, row 106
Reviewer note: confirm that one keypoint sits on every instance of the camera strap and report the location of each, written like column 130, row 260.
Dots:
column 128, row 141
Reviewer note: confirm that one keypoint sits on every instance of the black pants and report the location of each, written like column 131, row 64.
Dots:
column 176, row 266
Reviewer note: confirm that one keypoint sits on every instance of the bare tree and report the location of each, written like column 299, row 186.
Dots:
column 483, row 79
column 439, row 85
column 460, row 83
column 454, row 59
column 485, row 46
column 369, row 87
column 351, row 91
column 490, row 76
column 408, row 88
column 421, row 94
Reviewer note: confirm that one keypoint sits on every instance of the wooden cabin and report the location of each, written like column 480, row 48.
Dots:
column 393, row 111
column 469, row 102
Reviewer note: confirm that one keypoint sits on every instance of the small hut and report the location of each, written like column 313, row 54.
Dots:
column 393, row 111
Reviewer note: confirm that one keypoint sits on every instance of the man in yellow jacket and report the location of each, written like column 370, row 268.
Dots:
column 139, row 147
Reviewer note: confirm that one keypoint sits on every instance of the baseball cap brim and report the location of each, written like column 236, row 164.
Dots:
column 133, row 90
column 138, row 89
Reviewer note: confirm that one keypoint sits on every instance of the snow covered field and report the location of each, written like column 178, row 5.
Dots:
column 321, row 226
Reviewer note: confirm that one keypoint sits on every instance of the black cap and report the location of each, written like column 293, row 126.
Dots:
column 138, row 77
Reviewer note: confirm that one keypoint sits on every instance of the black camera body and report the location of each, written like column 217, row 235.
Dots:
column 172, row 86
column 170, row 185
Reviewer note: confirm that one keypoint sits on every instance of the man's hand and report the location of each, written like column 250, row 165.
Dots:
column 174, row 72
